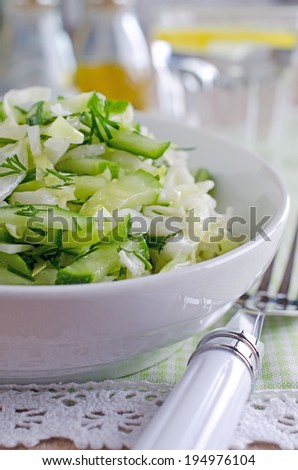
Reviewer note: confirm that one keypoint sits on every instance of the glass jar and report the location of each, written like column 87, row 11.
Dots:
column 35, row 49
column 112, row 53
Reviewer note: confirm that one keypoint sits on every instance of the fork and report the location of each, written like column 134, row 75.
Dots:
column 273, row 305
column 203, row 409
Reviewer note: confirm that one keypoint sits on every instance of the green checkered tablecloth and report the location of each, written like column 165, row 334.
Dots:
column 280, row 362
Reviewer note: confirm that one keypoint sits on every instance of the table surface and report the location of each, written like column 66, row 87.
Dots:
column 66, row 444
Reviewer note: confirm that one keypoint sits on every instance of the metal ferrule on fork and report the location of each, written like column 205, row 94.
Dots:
column 240, row 343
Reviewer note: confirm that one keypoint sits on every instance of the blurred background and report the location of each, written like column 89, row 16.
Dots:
column 227, row 66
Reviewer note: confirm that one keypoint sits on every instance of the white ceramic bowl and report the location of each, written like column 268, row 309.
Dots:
column 109, row 330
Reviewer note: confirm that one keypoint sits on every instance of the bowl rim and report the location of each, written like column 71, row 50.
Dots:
column 279, row 218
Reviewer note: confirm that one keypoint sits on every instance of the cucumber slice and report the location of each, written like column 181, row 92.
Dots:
column 51, row 237
column 103, row 261
column 50, row 225
column 30, row 186
column 92, row 267
column 87, row 185
column 5, row 236
column 16, row 265
column 129, row 191
column 9, row 278
column 41, row 217
column 137, row 144
column 88, row 166
column 127, row 161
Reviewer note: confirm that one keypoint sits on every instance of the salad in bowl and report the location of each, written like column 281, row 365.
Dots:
column 88, row 195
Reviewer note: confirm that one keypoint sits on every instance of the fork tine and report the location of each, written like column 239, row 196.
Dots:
column 264, row 284
column 282, row 293
column 260, row 297
column 261, row 294
column 285, row 283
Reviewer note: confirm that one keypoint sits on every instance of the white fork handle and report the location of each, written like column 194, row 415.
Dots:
column 203, row 409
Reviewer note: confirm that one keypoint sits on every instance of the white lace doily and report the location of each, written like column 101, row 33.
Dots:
column 93, row 415
column 269, row 416
column 112, row 414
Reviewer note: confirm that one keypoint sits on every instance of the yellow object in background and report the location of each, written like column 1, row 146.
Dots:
column 205, row 30
column 199, row 39
column 112, row 53
column 115, row 82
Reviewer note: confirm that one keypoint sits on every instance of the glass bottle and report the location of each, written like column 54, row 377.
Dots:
column 112, row 53
column 35, row 49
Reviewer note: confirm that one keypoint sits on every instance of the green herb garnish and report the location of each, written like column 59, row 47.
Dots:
column 65, row 177
column 27, row 211
column 19, row 273
column 39, row 114
column 14, row 166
